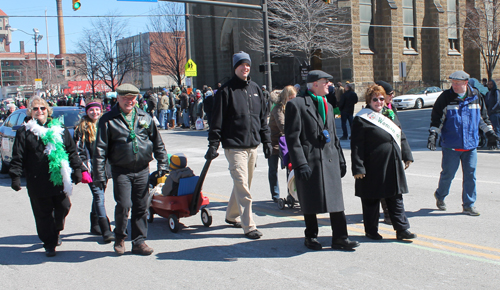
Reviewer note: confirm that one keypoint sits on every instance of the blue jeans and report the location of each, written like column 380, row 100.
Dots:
column 98, row 207
column 185, row 118
column 344, row 117
column 171, row 115
column 163, row 117
column 272, row 174
column 495, row 122
column 449, row 164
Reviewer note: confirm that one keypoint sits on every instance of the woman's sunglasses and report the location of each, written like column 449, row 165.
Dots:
column 377, row 99
column 38, row 108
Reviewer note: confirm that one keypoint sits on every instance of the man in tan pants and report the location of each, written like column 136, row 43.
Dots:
column 239, row 122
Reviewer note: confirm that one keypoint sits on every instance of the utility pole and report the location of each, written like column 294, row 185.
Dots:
column 60, row 27
column 35, row 30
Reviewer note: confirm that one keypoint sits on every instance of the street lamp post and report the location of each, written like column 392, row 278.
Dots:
column 37, row 37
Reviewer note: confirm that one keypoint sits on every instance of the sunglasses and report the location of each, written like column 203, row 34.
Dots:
column 38, row 108
column 377, row 99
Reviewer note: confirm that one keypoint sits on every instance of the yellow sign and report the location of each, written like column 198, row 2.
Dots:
column 190, row 69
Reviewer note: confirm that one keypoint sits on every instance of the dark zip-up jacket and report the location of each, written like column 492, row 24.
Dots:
column 239, row 115
column 113, row 144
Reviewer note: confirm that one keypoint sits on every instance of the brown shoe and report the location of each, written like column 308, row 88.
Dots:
column 120, row 247
column 142, row 249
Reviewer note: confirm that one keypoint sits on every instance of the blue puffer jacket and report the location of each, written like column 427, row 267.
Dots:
column 459, row 120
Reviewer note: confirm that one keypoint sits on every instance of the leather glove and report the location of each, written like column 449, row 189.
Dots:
column 303, row 172
column 211, row 152
column 99, row 184
column 268, row 150
column 492, row 140
column 431, row 142
column 343, row 170
column 16, row 183
column 76, row 176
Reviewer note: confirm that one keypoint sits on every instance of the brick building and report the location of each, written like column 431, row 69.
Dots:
column 399, row 41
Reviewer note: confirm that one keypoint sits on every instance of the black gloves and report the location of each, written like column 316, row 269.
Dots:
column 431, row 142
column 99, row 184
column 268, row 150
column 212, row 152
column 343, row 170
column 303, row 172
column 492, row 140
column 76, row 176
column 16, row 183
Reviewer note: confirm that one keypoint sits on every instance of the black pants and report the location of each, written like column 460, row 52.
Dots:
column 131, row 192
column 395, row 206
column 50, row 213
column 337, row 221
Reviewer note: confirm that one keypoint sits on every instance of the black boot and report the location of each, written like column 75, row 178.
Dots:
column 94, row 224
column 105, row 228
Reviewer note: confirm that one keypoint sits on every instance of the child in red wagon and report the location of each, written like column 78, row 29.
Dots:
column 178, row 170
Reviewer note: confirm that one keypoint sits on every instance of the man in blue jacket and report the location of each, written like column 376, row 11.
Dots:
column 239, row 122
column 458, row 114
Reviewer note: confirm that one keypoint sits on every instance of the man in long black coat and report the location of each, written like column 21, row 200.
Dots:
column 317, row 160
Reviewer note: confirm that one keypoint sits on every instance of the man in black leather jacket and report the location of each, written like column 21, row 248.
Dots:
column 128, row 137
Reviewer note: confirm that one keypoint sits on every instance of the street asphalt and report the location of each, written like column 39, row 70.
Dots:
column 452, row 251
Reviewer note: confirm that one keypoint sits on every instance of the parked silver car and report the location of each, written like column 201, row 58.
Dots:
column 418, row 98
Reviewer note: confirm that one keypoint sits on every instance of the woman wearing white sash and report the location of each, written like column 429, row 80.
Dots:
column 380, row 154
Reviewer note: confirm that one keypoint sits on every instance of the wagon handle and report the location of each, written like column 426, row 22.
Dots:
column 193, row 207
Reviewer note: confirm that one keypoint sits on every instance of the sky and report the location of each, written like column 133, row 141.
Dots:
column 72, row 26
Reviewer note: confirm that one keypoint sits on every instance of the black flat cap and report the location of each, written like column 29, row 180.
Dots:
column 387, row 87
column 316, row 75
column 127, row 89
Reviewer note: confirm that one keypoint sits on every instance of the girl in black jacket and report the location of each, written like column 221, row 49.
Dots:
column 85, row 135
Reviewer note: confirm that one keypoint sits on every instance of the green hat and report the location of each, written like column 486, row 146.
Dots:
column 127, row 89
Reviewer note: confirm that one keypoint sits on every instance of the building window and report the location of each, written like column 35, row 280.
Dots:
column 365, row 21
column 409, row 24
column 452, row 26
column 68, row 73
column 74, row 63
column 67, row 62
column 6, row 63
column 74, row 72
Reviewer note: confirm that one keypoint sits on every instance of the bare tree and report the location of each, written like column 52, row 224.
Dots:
column 113, row 65
column 304, row 28
column 88, row 60
column 167, row 41
column 482, row 30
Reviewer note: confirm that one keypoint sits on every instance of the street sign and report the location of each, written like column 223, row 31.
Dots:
column 38, row 84
column 304, row 71
column 188, row 82
column 190, row 69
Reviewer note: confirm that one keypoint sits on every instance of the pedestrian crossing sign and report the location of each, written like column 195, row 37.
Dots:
column 190, row 69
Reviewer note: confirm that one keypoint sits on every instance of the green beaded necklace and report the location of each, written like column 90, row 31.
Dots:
column 131, row 124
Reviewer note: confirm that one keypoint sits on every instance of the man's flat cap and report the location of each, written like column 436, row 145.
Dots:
column 316, row 75
column 460, row 75
column 387, row 87
column 127, row 89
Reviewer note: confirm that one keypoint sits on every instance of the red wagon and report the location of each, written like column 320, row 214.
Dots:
column 188, row 202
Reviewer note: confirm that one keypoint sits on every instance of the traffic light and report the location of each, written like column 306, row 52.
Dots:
column 76, row 4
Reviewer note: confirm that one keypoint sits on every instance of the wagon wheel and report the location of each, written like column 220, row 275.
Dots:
column 281, row 203
column 206, row 217
column 173, row 223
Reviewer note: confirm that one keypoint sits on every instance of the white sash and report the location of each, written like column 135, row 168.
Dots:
column 382, row 122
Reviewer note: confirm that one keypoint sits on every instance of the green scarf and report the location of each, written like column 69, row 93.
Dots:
column 131, row 127
column 321, row 105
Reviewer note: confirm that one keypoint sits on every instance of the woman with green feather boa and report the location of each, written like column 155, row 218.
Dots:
column 45, row 150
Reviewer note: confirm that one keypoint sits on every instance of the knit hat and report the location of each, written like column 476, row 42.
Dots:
column 241, row 57
column 178, row 161
column 91, row 105
column 387, row 87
